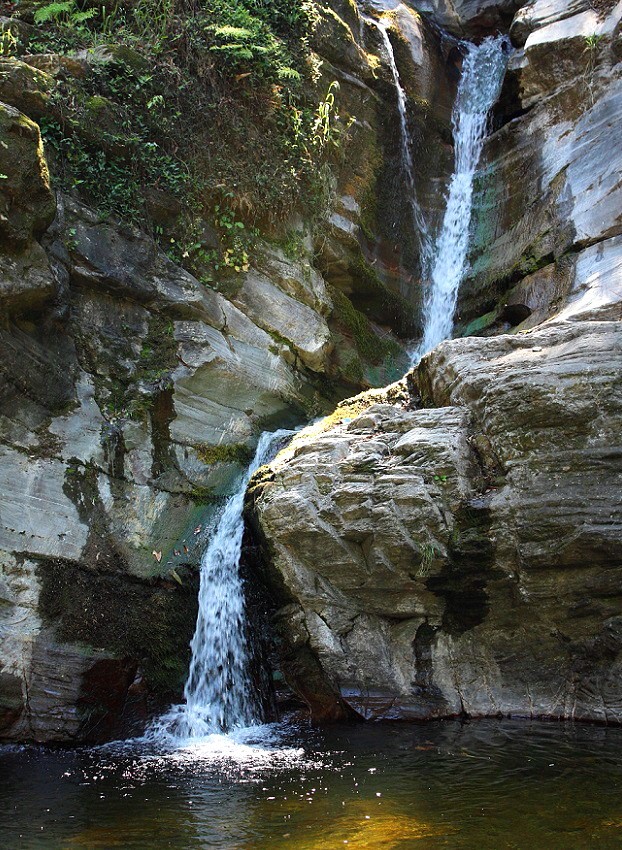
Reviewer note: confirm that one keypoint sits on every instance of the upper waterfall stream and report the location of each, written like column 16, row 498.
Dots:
column 482, row 76
column 418, row 219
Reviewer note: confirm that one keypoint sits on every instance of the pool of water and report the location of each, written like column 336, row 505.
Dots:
column 469, row 786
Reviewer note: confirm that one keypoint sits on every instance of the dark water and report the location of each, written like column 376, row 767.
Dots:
column 477, row 785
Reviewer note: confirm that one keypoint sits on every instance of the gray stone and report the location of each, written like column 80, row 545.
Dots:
column 550, row 185
column 463, row 558
column 280, row 314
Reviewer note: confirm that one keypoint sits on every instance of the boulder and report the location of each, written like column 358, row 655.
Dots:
column 460, row 558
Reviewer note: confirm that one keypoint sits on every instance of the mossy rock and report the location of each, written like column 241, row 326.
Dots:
column 229, row 453
column 27, row 204
column 24, row 87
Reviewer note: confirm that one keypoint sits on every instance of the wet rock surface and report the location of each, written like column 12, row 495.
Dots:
column 459, row 552
column 549, row 196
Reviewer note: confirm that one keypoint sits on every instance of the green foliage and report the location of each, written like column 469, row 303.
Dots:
column 428, row 554
column 112, row 182
column 592, row 42
column 8, row 43
column 211, row 102
column 66, row 12
column 322, row 129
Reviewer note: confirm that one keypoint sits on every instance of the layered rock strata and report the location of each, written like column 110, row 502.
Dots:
column 132, row 394
column 454, row 548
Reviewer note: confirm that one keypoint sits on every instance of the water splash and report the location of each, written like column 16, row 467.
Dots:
column 218, row 692
column 480, row 84
column 419, row 223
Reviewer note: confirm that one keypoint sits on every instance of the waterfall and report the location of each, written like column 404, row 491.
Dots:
column 218, row 691
column 480, row 84
column 419, row 223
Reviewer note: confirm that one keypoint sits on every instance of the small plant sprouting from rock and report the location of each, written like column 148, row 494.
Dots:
column 428, row 554
column 591, row 49
column 8, row 43
column 592, row 42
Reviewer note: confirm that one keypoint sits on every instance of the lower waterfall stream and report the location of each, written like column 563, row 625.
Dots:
column 218, row 696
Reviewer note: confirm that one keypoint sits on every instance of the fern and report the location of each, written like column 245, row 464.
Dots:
column 80, row 17
column 64, row 11
column 53, row 11
column 240, row 51
column 285, row 73
column 231, row 32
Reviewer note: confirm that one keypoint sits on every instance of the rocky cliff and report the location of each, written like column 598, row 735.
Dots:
column 201, row 239
column 452, row 546
column 549, row 211
column 192, row 252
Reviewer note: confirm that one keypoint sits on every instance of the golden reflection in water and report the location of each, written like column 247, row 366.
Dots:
column 96, row 837
column 363, row 828
column 135, row 831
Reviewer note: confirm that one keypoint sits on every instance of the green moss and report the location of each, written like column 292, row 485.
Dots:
column 352, row 370
column 158, row 354
column 370, row 346
column 380, row 302
column 151, row 622
column 205, row 496
column 369, row 212
column 280, row 340
column 481, row 323
column 396, row 393
column 293, row 245
column 96, row 103
column 224, row 453
column 130, row 392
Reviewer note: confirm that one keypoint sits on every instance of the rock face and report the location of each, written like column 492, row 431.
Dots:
column 471, row 18
column 454, row 546
column 132, row 394
column 549, row 205
column 457, row 551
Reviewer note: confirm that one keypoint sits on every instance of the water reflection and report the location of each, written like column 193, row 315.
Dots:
column 463, row 786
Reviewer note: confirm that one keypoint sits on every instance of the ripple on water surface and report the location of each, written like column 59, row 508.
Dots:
column 466, row 786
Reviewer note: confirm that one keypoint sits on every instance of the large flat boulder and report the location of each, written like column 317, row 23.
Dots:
column 462, row 557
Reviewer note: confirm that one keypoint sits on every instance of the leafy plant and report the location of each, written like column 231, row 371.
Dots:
column 428, row 553
column 63, row 11
column 592, row 42
column 8, row 43
column 591, row 48
column 321, row 130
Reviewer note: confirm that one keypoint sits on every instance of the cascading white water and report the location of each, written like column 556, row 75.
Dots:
column 419, row 222
column 218, row 693
column 482, row 75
